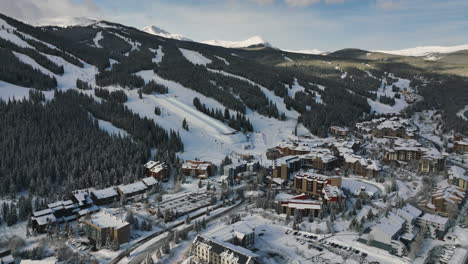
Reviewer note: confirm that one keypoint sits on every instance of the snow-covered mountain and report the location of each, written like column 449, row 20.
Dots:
column 250, row 42
column 424, row 51
column 154, row 30
column 66, row 21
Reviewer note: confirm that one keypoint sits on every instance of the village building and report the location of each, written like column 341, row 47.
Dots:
column 104, row 196
column 41, row 219
column 132, row 189
column 435, row 225
column 339, row 131
column 283, row 167
column 432, row 161
column 461, row 146
column 386, row 234
column 361, row 166
column 410, row 214
column 293, row 148
column 201, row 169
column 150, row 182
column 103, row 228
column 82, row 198
column 446, row 200
column 212, row 251
column 319, row 159
column 158, row 170
column 302, row 202
column 6, row 257
column 459, row 177
column 313, row 184
column 239, row 234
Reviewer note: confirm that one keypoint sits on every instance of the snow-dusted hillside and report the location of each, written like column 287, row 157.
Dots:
column 250, row 42
column 154, row 30
column 424, row 51
column 307, row 51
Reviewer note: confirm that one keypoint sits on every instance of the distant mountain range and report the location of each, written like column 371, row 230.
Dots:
column 255, row 41
column 425, row 50
column 157, row 31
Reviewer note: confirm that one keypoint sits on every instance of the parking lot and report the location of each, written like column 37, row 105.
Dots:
column 319, row 244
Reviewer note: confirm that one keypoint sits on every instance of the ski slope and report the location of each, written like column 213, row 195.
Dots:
column 269, row 94
column 97, row 38
column 195, row 57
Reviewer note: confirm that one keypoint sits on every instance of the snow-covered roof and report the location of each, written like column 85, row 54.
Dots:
column 149, row 181
column 415, row 212
column 459, row 256
column 226, row 233
column 433, row 154
column 103, row 219
column 44, row 219
column 436, row 219
column 238, row 254
column 330, row 191
column 150, row 164
column 43, row 212
column 458, row 172
column 387, row 226
column 338, row 128
column 132, row 187
column 105, row 193
column 368, row 163
column 461, row 142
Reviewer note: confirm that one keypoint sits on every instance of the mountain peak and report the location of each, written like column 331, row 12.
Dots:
column 157, row 31
column 254, row 41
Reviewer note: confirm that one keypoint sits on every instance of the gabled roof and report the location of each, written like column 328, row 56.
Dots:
column 227, row 250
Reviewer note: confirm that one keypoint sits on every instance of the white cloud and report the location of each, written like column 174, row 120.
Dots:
column 35, row 10
column 389, row 4
column 263, row 2
column 301, row 3
column 304, row 3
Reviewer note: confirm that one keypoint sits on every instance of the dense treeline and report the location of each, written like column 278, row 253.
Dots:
column 41, row 47
column 153, row 87
column 59, row 146
column 252, row 96
column 36, row 56
column 387, row 100
column 122, row 73
column 340, row 108
column 83, row 85
column 261, row 74
column 238, row 121
column 118, row 96
column 448, row 94
column 12, row 70
column 194, row 77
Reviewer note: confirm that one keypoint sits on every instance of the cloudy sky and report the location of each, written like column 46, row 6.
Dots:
column 289, row 24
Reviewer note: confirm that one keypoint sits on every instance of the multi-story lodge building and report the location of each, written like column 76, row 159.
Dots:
column 432, row 161
column 459, row 177
column 460, row 146
column 158, row 170
column 292, row 148
column 319, row 159
column 313, row 184
column 446, row 200
column 226, row 245
column 201, row 169
column 301, row 202
column 362, row 166
column 339, row 131
column 103, row 228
